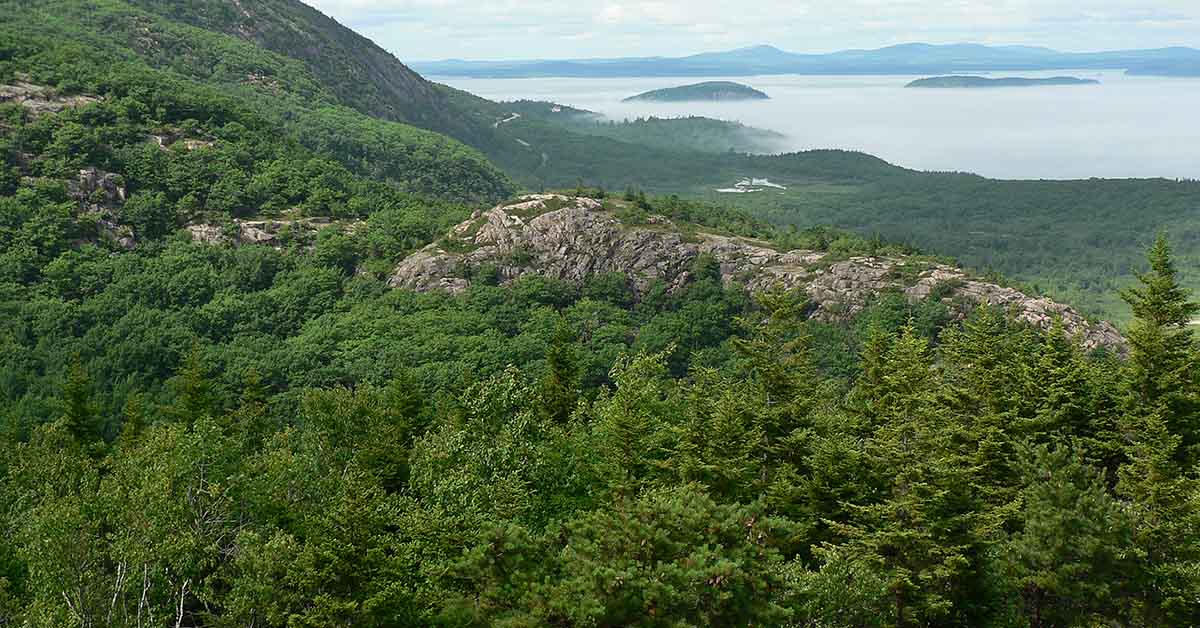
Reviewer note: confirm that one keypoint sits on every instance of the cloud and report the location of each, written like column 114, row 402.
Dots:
column 506, row 29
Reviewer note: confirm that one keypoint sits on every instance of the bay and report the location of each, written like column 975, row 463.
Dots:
column 1125, row 127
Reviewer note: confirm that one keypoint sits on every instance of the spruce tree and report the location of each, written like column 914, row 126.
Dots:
column 194, row 394
column 1060, row 389
column 1165, row 503
column 133, row 418
column 560, row 386
column 872, row 363
column 1162, row 369
column 1069, row 559
column 80, row 413
column 921, row 535
column 778, row 360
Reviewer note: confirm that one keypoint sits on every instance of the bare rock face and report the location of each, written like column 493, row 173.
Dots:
column 98, row 189
column 574, row 238
column 39, row 98
column 271, row 233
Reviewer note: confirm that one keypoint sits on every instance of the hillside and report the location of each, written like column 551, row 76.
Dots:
column 1079, row 241
column 577, row 239
column 111, row 50
column 977, row 82
column 309, row 100
column 709, row 91
column 690, row 133
column 357, row 72
column 284, row 350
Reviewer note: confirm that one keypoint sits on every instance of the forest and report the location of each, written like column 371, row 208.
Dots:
column 215, row 436
column 216, row 432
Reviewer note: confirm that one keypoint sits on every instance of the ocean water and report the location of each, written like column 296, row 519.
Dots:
column 1125, row 127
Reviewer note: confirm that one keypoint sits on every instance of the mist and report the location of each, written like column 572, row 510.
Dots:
column 1125, row 127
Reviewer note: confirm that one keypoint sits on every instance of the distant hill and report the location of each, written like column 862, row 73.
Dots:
column 975, row 82
column 902, row 59
column 712, row 90
column 208, row 110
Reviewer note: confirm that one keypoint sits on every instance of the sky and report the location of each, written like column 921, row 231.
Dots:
column 536, row 29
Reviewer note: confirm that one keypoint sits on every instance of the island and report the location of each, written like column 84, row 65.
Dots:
column 710, row 91
column 970, row 82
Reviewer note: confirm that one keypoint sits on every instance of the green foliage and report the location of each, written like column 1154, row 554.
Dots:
column 690, row 133
column 200, row 434
column 1071, row 559
column 672, row 557
column 318, row 450
column 1078, row 241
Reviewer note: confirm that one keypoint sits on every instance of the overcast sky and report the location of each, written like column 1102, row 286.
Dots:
column 524, row 29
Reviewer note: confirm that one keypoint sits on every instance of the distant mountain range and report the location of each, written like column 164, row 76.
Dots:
column 979, row 82
column 903, row 59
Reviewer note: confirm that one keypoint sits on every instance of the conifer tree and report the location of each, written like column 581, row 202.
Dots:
column 1165, row 503
column 778, row 360
column 783, row 382
column 985, row 383
column 1068, row 560
column 133, row 418
column 631, row 424
column 718, row 437
column 1060, row 388
column 194, row 394
column 866, row 396
column 1163, row 365
column 560, row 386
column 80, row 413
column 922, row 534
column 249, row 421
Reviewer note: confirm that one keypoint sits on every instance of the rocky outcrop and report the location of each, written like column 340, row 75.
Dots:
column 98, row 189
column 271, row 233
column 39, row 98
column 574, row 238
column 100, row 195
column 169, row 140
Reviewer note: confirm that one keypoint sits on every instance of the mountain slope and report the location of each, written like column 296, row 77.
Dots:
column 113, row 49
column 359, row 73
column 1078, row 239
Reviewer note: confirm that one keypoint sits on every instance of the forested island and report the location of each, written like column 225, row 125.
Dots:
column 708, row 91
column 971, row 82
